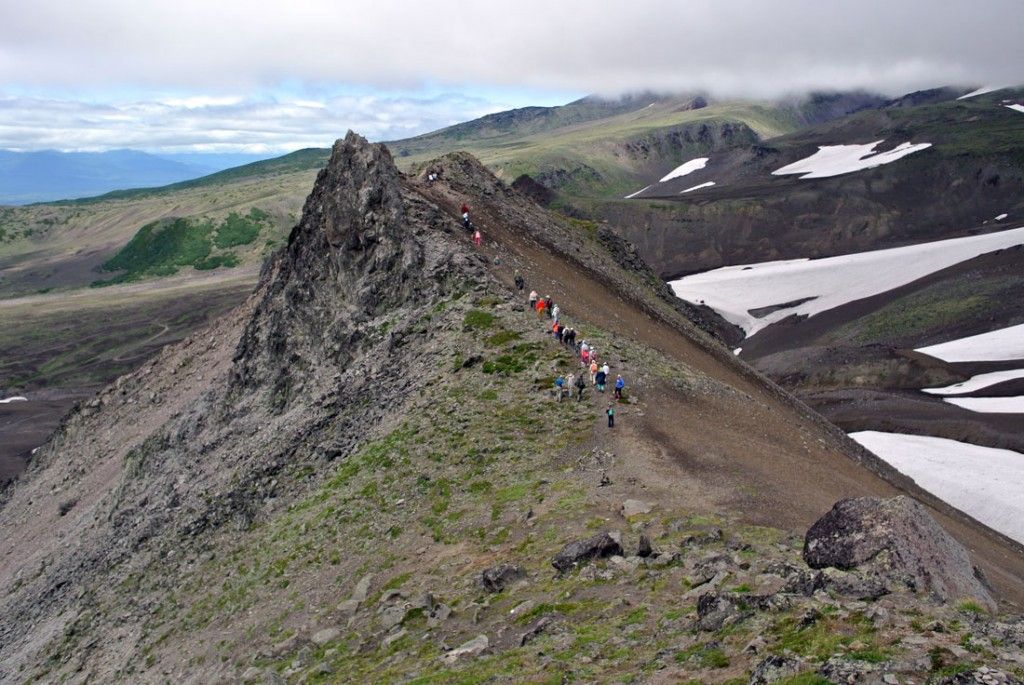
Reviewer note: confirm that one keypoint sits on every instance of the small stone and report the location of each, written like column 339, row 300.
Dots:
column 322, row 637
column 469, row 649
column 251, row 674
column 644, row 548
column 522, row 608
column 391, row 617
column 348, row 608
column 635, row 507
column 362, row 588
column 393, row 638
column 890, row 679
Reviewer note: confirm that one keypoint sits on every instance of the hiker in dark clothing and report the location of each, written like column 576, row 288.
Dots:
column 548, row 305
column 559, row 332
column 520, row 283
column 599, row 380
column 611, row 415
column 581, row 385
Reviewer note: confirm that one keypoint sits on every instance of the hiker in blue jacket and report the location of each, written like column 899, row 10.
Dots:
column 619, row 385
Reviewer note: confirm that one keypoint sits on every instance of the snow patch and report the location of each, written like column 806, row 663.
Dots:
column 834, row 160
column 735, row 290
column 737, row 351
column 636, row 193
column 990, row 405
column 984, row 482
column 978, row 382
column 1001, row 217
column 1016, row 108
column 684, row 169
column 17, row 398
column 980, row 91
column 995, row 346
column 702, row 185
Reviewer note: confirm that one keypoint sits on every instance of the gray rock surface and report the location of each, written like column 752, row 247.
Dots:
column 898, row 542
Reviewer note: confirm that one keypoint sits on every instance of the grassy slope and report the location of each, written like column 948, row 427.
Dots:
column 59, row 246
column 597, row 144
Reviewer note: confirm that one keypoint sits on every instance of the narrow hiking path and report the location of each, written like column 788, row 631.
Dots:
column 741, row 452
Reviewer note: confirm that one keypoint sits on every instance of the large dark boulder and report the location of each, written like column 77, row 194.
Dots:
column 581, row 551
column 897, row 542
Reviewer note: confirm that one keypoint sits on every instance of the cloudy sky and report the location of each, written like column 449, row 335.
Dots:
column 252, row 76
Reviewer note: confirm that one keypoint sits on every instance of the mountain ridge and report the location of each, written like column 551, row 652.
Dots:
column 383, row 391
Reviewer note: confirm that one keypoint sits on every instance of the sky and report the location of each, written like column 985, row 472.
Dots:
column 262, row 77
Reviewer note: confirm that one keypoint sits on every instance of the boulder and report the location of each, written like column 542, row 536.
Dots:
column 635, row 507
column 497, row 578
column 322, row 637
column 472, row 648
column 643, row 548
column 578, row 552
column 774, row 668
column 897, row 542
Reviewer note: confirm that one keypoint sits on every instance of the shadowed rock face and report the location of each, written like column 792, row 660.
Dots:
column 897, row 541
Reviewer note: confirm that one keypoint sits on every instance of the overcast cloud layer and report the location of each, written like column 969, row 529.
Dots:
column 249, row 50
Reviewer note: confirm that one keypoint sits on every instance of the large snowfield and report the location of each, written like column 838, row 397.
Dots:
column 685, row 168
column 984, row 482
column 1017, row 108
column 17, row 398
column 978, row 382
column 1003, row 344
column 734, row 290
column 990, row 405
column 834, row 160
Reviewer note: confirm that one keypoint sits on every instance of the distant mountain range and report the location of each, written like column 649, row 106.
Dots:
column 47, row 175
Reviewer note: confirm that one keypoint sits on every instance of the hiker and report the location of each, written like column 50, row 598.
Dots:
column 559, row 332
column 581, row 385
column 599, row 380
column 570, row 382
column 585, row 359
column 593, row 371
column 549, row 303
column 607, row 371
column 477, row 238
column 619, row 385
column 559, row 384
column 611, row 415
column 555, row 311
column 570, row 338
column 541, row 306
column 533, row 299
column 520, row 283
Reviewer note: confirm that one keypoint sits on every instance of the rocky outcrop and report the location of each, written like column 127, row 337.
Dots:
column 896, row 542
column 578, row 552
column 497, row 578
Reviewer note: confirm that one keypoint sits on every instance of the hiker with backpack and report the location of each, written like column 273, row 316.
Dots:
column 533, row 299
column 548, row 304
column 559, row 386
column 555, row 311
column 581, row 385
column 477, row 238
column 520, row 283
column 619, row 385
column 541, row 306
column 610, row 412
column 599, row 380
column 593, row 371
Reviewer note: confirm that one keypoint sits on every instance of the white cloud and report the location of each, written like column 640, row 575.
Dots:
column 744, row 46
column 224, row 124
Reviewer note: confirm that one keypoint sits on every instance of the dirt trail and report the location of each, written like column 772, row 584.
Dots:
column 747, row 453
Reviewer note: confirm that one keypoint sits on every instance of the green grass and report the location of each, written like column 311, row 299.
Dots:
column 239, row 230
column 478, row 320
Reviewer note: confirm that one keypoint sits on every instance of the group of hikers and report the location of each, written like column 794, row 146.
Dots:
column 468, row 225
column 585, row 352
